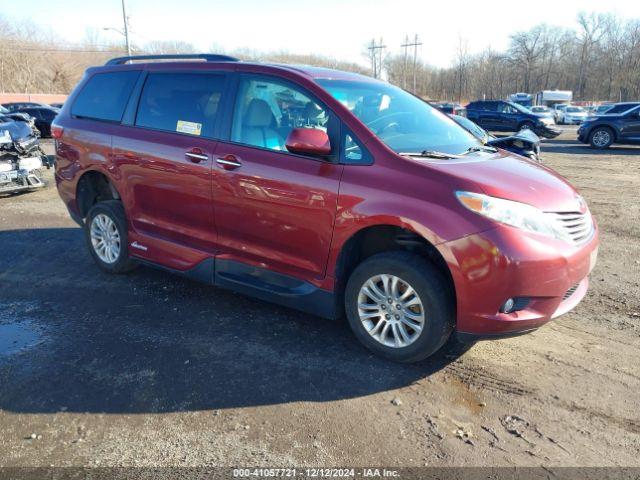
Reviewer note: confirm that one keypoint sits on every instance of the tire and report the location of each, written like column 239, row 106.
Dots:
column 601, row 137
column 527, row 125
column 110, row 217
column 436, row 298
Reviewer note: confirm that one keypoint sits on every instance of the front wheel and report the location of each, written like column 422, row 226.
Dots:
column 400, row 306
column 527, row 126
column 601, row 138
column 106, row 233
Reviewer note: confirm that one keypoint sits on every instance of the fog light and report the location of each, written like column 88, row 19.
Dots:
column 508, row 305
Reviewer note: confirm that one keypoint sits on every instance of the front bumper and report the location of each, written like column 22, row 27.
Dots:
column 550, row 276
column 548, row 131
column 582, row 134
column 15, row 181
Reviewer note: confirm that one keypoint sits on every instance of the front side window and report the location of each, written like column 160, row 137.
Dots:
column 400, row 120
column 266, row 111
column 105, row 96
column 181, row 102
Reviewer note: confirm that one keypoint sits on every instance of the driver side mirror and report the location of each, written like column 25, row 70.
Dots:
column 308, row 141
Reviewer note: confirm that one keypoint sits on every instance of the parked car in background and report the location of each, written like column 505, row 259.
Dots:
column 43, row 116
column 502, row 116
column 322, row 190
column 620, row 124
column 572, row 115
column 450, row 108
column 602, row 109
column 16, row 106
column 543, row 111
column 558, row 108
column 524, row 99
column 21, row 159
column 21, row 117
column 524, row 143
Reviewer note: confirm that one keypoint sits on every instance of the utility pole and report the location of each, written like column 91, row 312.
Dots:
column 405, row 46
column 126, row 28
column 376, row 56
column 415, row 46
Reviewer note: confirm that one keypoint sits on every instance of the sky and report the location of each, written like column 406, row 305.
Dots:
column 332, row 28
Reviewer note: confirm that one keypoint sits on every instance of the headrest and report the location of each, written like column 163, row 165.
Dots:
column 258, row 114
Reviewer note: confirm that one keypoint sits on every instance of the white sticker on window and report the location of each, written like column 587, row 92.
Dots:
column 191, row 128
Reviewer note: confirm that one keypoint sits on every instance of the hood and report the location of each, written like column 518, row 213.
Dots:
column 513, row 178
column 15, row 130
column 524, row 135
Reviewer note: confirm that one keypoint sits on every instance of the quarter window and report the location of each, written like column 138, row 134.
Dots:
column 105, row 96
column 186, row 103
column 266, row 112
column 353, row 153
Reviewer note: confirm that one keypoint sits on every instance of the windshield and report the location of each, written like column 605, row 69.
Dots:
column 402, row 121
column 574, row 109
column 520, row 107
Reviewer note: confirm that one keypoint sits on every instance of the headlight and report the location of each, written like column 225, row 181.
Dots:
column 516, row 214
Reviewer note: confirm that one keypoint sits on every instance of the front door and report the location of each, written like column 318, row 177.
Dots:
column 165, row 159
column 274, row 210
column 630, row 129
column 488, row 116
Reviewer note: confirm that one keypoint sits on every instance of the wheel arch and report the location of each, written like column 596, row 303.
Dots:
column 611, row 128
column 94, row 186
column 377, row 238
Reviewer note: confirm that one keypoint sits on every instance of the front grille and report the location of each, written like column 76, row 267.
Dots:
column 571, row 291
column 578, row 225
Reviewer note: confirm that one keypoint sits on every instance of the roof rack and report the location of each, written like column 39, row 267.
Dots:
column 208, row 57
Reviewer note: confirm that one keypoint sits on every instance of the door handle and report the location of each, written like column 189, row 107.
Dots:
column 196, row 156
column 228, row 162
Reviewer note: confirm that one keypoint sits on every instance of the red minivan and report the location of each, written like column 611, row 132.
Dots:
column 321, row 190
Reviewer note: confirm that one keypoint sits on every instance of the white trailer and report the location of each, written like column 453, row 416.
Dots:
column 550, row 98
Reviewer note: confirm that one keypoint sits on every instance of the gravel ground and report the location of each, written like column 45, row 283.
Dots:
column 149, row 369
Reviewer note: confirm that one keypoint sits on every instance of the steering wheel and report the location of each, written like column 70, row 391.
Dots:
column 388, row 118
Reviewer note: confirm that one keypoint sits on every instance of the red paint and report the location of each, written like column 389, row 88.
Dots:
column 293, row 215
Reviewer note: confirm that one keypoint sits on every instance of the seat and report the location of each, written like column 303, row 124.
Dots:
column 257, row 126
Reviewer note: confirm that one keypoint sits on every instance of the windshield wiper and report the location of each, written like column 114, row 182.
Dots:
column 429, row 154
column 484, row 148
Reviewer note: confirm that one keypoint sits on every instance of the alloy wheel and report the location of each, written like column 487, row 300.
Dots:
column 391, row 311
column 601, row 138
column 105, row 238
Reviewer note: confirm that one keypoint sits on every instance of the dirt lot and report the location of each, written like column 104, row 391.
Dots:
column 152, row 369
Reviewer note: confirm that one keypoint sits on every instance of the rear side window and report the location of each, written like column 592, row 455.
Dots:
column 620, row 108
column 105, row 96
column 181, row 102
column 485, row 106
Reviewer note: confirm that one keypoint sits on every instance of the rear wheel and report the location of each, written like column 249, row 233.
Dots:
column 400, row 306
column 601, row 138
column 106, row 233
